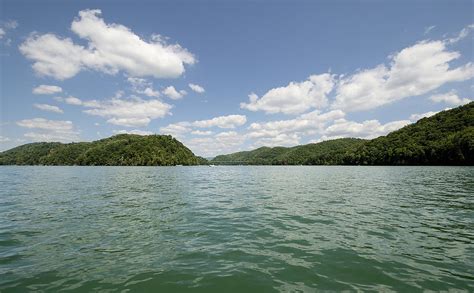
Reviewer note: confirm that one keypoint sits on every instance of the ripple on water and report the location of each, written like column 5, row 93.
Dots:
column 236, row 228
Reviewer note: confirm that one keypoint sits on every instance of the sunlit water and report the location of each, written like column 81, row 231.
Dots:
column 226, row 229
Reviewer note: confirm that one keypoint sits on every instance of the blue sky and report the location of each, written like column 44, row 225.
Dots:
column 229, row 76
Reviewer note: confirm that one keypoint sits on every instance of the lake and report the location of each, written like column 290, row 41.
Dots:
column 236, row 228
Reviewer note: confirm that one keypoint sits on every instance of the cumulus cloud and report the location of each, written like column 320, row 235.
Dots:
column 52, row 136
column 328, row 125
column 450, row 98
column 49, row 108
column 54, row 56
column 414, row 71
column 4, row 139
column 41, row 123
column 176, row 129
column 5, row 27
column 226, row 122
column 367, row 129
column 47, row 89
column 134, row 131
column 229, row 121
column 462, row 34
column 150, row 92
column 131, row 112
column 110, row 48
column 142, row 86
column 294, row 98
column 220, row 143
column 281, row 139
column 201, row 132
column 172, row 93
column 289, row 132
column 417, row 116
column 49, row 130
column 73, row 101
column 196, row 88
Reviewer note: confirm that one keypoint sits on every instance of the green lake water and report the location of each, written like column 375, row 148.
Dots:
column 236, row 229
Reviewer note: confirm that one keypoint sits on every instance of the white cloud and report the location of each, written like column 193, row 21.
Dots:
column 49, row 130
column 49, row 108
column 201, row 132
column 53, row 56
column 176, row 129
column 221, row 143
column 7, row 26
column 462, row 34
column 142, row 86
column 450, row 98
column 197, row 88
column 413, row 71
column 429, row 29
column 111, row 48
column 281, row 139
column 290, row 130
column 150, row 92
column 329, row 125
column 181, row 128
column 131, row 112
column 4, row 139
column 134, row 131
column 367, row 129
column 11, row 24
column 417, row 116
column 41, row 123
column 172, row 93
column 229, row 121
column 294, row 98
column 73, row 101
column 47, row 89
column 52, row 136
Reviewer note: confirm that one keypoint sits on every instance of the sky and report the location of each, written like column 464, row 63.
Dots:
column 226, row 76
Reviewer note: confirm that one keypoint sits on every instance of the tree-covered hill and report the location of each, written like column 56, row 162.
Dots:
column 118, row 150
column 324, row 153
column 446, row 138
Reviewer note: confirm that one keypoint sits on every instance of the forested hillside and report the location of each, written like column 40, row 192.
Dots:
column 446, row 138
column 119, row 150
column 329, row 152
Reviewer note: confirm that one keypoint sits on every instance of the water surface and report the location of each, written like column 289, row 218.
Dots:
column 298, row 228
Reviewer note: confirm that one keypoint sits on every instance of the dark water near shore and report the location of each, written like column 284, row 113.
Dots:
column 226, row 229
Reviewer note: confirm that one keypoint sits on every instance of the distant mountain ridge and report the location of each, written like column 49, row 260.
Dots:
column 446, row 138
column 118, row 150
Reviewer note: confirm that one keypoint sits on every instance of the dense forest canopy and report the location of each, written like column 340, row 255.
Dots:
column 446, row 138
column 118, row 150
column 324, row 153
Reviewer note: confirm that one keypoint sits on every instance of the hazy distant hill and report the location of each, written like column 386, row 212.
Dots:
column 446, row 138
column 118, row 150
